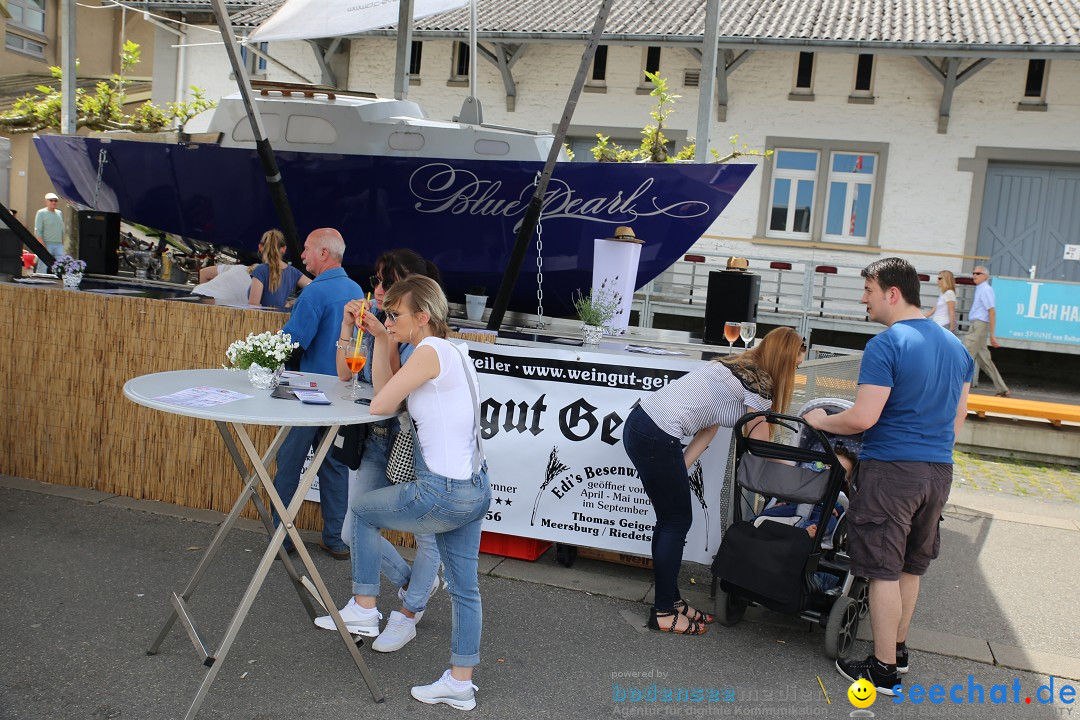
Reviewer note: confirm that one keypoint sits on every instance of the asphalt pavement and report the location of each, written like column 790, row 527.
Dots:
column 88, row 577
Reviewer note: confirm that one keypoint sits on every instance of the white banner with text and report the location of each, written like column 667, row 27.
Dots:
column 552, row 426
column 552, row 421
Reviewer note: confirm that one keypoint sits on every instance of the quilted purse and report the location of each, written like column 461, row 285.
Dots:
column 400, row 464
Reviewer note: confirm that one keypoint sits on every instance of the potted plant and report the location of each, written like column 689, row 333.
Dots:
column 69, row 270
column 263, row 356
column 475, row 301
column 596, row 310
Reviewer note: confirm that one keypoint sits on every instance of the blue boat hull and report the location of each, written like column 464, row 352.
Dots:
column 462, row 214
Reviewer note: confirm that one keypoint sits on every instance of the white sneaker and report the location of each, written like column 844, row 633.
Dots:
column 401, row 592
column 440, row 691
column 358, row 620
column 399, row 630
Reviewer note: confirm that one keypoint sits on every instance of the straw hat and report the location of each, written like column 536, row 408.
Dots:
column 737, row 263
column 625, row 233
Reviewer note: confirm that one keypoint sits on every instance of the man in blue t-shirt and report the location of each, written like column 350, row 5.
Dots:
column 314, row 323
column 912, row 398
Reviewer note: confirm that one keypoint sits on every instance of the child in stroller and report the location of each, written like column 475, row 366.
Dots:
column 795, row 565
column 806, row 515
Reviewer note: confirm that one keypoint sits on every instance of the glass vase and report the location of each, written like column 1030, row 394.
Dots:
column 264, row 378
column 591, row 335
column 72, row 280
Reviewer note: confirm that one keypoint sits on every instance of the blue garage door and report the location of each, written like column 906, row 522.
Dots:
column 1029, row 214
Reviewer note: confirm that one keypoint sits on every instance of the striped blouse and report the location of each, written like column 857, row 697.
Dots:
column 709, row 395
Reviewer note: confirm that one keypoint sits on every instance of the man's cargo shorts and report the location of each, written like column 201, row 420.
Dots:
column 893, row 517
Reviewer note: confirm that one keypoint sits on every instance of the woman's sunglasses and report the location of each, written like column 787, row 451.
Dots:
column 376, row 281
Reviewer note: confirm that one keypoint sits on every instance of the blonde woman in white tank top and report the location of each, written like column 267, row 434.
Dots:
column 451, row 493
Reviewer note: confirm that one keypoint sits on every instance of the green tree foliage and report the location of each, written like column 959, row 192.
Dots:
column 654, row 143
column 102, row 109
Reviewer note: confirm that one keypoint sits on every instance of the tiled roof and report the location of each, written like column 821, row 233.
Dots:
column 252, row 17
column 242, row 13
column 192, row 5
column 914, row 24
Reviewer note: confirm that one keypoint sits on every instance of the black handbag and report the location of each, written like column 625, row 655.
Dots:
column 352, row 439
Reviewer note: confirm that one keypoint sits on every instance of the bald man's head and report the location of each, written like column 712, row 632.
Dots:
column 323, row 250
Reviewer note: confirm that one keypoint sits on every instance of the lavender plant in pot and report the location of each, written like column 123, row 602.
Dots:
column 596, row 311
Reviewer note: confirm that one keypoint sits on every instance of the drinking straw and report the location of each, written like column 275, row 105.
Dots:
column 827, row 700
column 360, row 335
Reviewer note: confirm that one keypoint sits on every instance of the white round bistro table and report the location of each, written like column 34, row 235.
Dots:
column 257, row 409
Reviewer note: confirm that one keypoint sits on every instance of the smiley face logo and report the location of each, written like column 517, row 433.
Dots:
column 862, row 693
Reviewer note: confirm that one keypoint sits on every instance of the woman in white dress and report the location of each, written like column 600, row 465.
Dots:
column 944, row 311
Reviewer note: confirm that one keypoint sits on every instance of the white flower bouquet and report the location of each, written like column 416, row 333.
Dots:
column 270, row 350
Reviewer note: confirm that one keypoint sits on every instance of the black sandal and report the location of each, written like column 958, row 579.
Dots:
column 698, row 616
column 693, row 627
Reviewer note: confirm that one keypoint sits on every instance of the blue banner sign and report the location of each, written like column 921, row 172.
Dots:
column 1038, row 310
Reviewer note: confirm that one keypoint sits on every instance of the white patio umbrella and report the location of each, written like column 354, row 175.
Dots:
column 313, row 19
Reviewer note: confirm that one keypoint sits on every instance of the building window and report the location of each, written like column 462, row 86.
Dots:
column 864, row 75
column 416, row 54
column 460, row 66
column 822, row 191
column 850, row 197
column 804, row 74
column 28, row 14
column 255, row 64
column 1035, row 83
column 652, row 63
column 598, row 76
column 791, row 204
column 22, row 45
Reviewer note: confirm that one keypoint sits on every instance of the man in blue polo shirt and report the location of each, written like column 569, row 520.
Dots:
column 912, row 398
column 315, row 323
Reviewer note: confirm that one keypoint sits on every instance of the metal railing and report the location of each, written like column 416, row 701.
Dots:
column 807, row 296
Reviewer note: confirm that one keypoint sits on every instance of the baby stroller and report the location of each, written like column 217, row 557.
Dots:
column 780, row 566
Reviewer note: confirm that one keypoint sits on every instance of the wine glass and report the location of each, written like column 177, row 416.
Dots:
column 355, row 360
column 747, row 333
column 731, row 333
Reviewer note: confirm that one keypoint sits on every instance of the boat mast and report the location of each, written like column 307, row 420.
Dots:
column 404, row 50
column 472, row 50
column 532, row 213
column 472, row 112
column 262, row 145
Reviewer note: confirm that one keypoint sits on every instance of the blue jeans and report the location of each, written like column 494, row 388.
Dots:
column 57, row 249
column 658, row 458
column 372, row 476
column 333, row 482
column 453, row 510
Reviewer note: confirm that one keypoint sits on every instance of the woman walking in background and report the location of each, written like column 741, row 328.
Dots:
column 696, row 405
column 944, row 310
